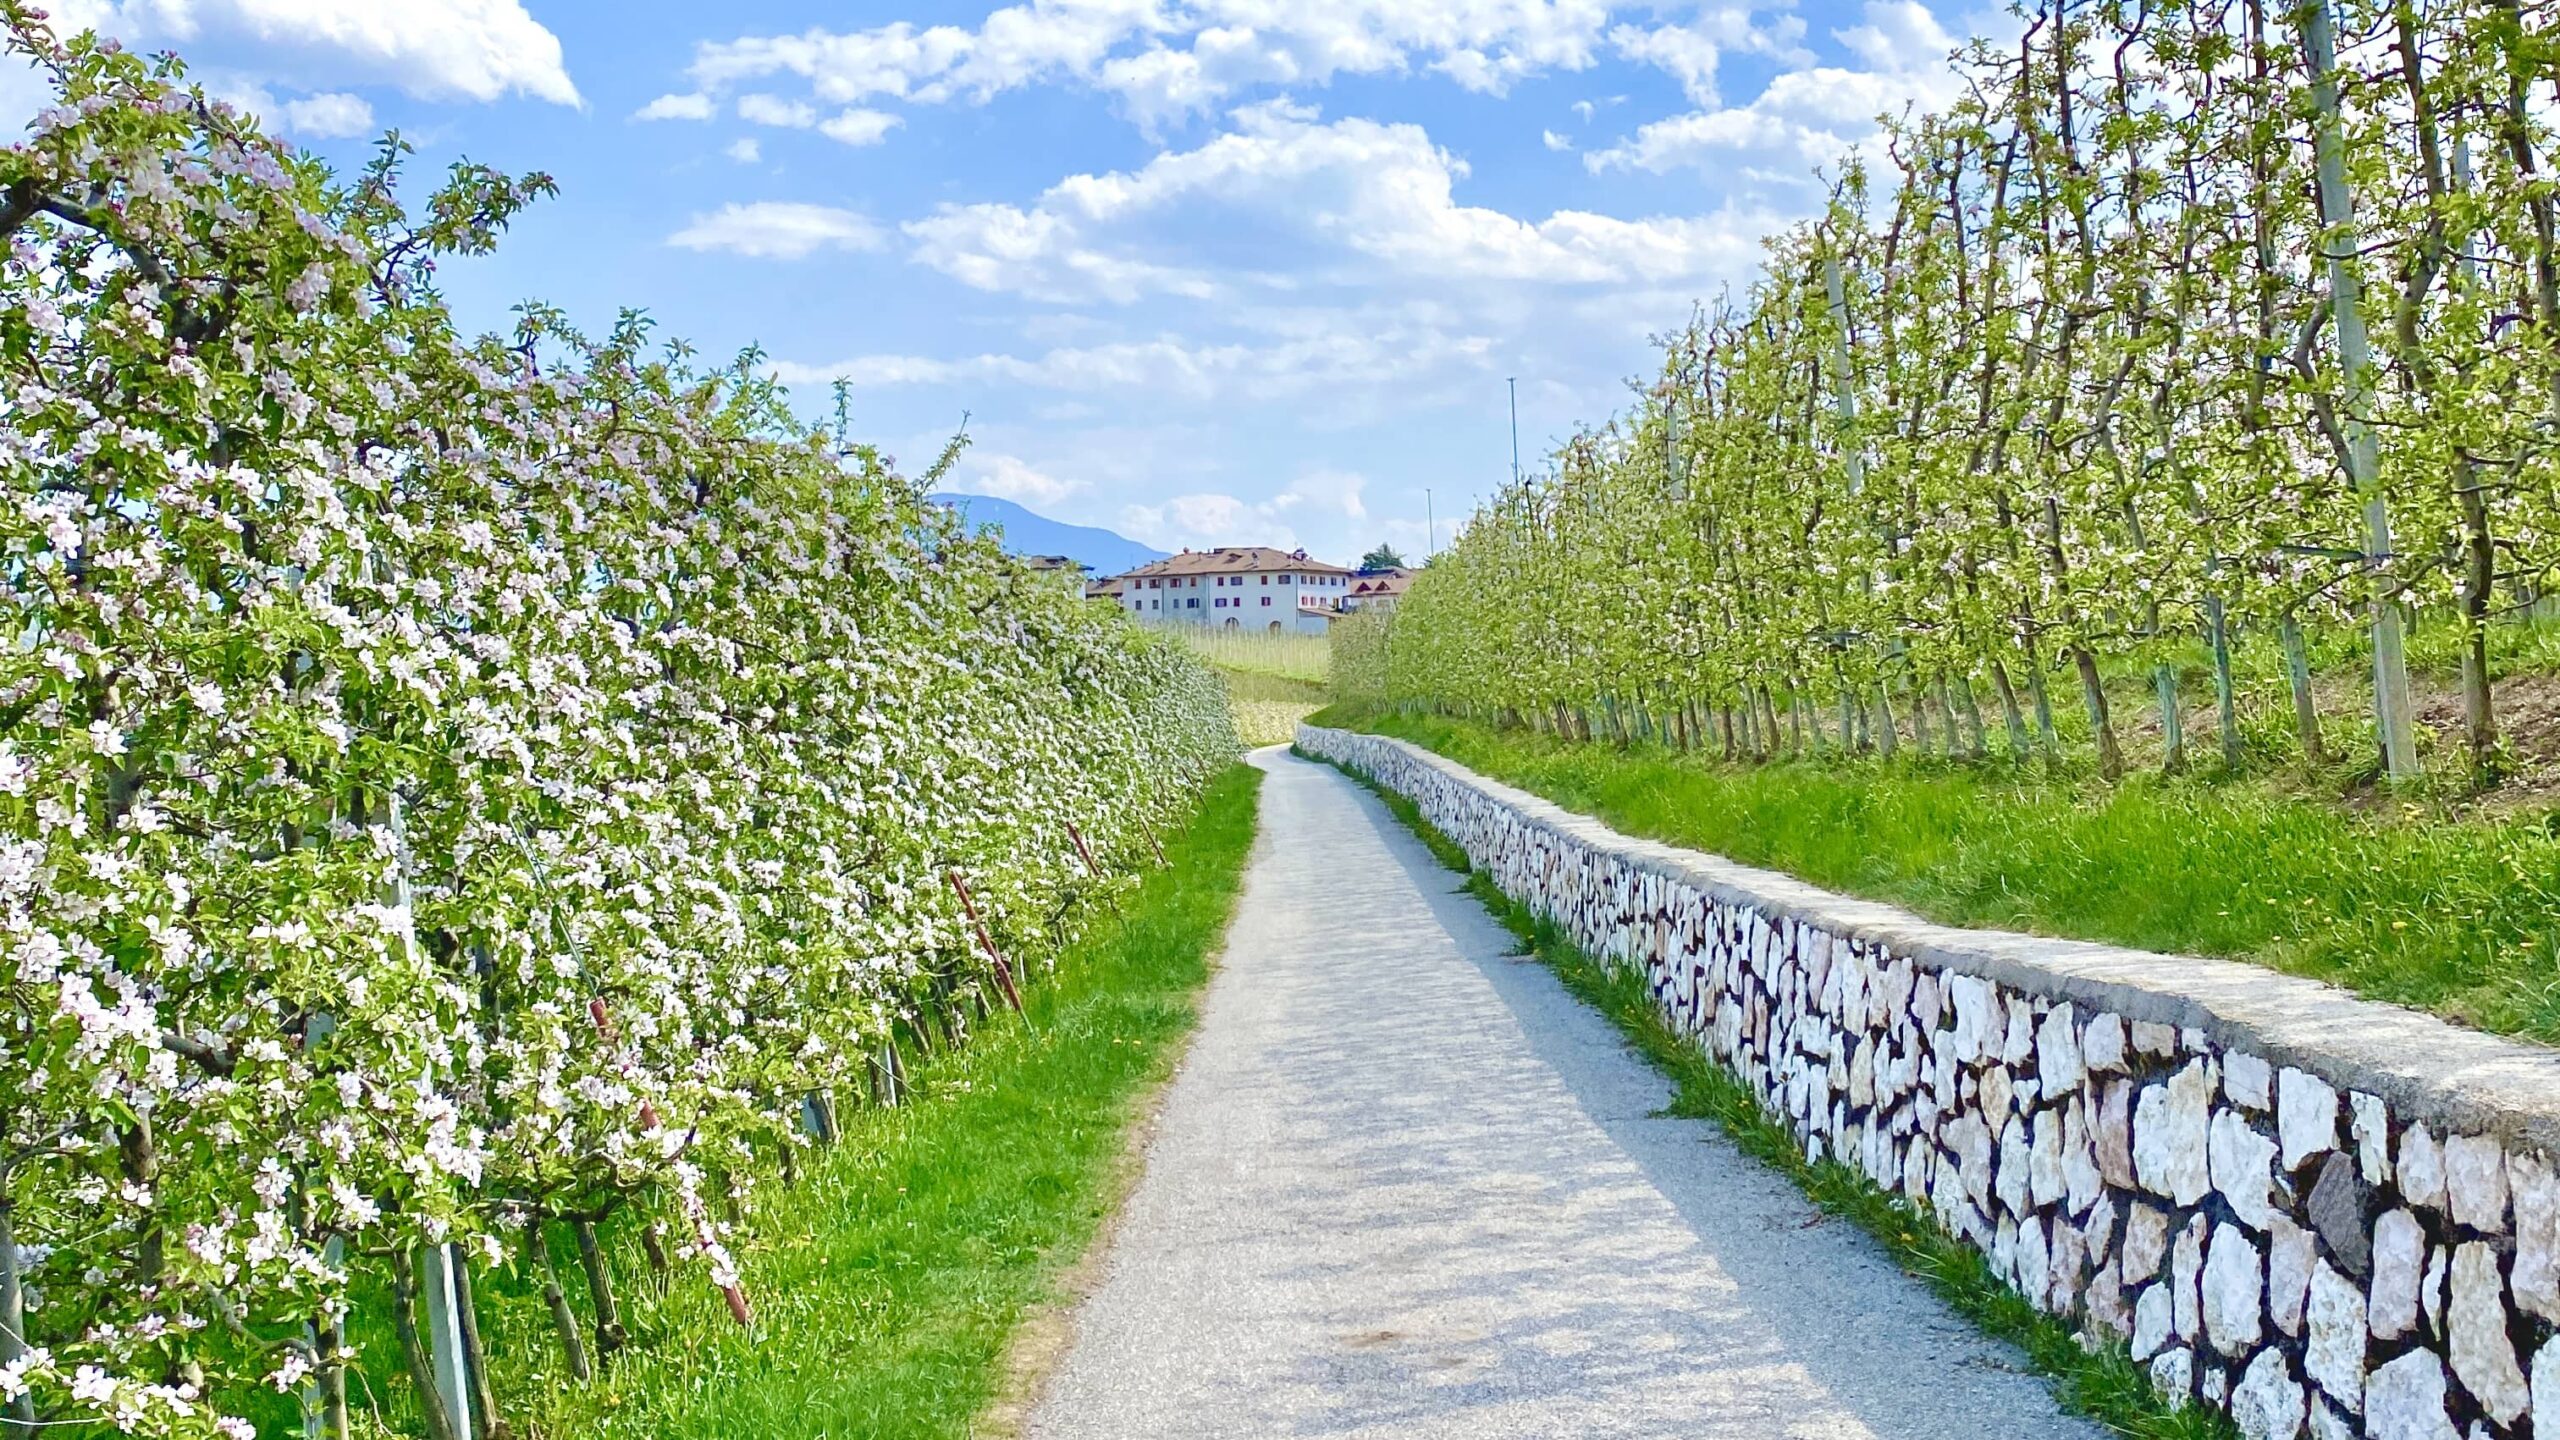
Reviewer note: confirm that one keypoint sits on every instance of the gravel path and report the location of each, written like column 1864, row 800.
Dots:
column 1404, row 1185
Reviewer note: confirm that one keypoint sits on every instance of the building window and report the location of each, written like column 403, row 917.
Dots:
column 1266, row 599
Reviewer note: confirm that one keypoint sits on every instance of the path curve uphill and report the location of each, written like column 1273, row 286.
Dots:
column 1404, row 1185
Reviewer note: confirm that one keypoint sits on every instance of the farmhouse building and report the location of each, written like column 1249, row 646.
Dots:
column 1241, row 587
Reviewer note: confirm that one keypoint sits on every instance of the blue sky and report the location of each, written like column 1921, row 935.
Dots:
column 1203, row 271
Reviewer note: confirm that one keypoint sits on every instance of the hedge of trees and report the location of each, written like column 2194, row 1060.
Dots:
column 451, row 787
column 2192, row 323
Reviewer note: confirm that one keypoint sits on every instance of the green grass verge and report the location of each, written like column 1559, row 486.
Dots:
column 2100, row 1381
column 2453, row 914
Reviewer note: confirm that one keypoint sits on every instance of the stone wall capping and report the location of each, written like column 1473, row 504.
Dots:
column 2425, row 1068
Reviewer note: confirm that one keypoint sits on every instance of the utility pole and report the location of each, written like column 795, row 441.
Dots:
column 2355, row 374
column 1430, row 526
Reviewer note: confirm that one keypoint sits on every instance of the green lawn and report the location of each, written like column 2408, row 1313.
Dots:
column 2454, row 914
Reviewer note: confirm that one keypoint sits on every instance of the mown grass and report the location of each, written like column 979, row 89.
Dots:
column 2445, row 912
column 2099, row 1380
column 889, row 1276
column 1268, row 707
column 1290, row 654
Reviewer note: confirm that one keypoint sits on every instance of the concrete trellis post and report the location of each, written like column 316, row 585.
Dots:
column 2391, row 704
column 443, row 1318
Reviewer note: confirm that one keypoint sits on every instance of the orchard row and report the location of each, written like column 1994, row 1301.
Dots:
column 2188, row 325
column 452, row 788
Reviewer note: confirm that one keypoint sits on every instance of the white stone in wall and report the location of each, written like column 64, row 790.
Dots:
column 2399, row 1263
column 1970, row 1142
column 2405, row 1400
column 2098, row 1232
column 2431, row 1291
column 2082, row 1185
column 2267, row 1403
column 2032, row 1257
column 2169, row 1135
column 2421, row 1167
column 1997, row 1096
column 2173, row 1373
column 2233, row 1281
column 2103, row 1303
column 2334, row 1348
column 2536, row 1270
column 2328, row 1424
column 2004, row 1249
column 2484, row 1358
column 2306, row 1116
column 2153, row 1038
column 2546, row 1379
column 2057, row 1053
column 1971, row 999
column 2044, row 1156
column 2020, row 1045
column 2111, row 1132
column 2102, row 1047
column 2369, row 1122
column 2248, row 1080
column 2146, row 1242
column 2066, row 1269
column 2475, row 1182
column 2290, row 1250
column 2186, row 1271
column 2239, row 1157
column 2154, row 1321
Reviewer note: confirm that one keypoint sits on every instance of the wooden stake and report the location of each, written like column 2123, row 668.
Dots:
column 1004, row 972
column 1084, row 850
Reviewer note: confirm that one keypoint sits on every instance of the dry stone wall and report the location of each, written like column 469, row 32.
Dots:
column 2328, row 1216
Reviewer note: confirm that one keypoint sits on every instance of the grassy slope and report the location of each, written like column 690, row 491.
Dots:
column 889, row 1280
column 2456, row 915
column 2101, row 1382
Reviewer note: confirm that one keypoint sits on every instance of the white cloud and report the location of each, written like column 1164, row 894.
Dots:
column 1685, row 54
column 1009, row 477
column 1808, row 117
column 328, row 116
column 778, row 230
column 774, row 110
column 1554, row 141
column 1319, row 500
column 858, row 126
column 745, row 150
column 1353, row 192
column 1168, row 60
column 1342, row 357
column 692, row 106
column 434, row 49
column 1036, row 253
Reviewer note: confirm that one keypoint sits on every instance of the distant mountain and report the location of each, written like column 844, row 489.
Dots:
column 1025, row 533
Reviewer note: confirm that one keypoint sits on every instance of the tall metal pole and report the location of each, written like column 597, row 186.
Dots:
column 2355, row 373
column 1430, row 526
